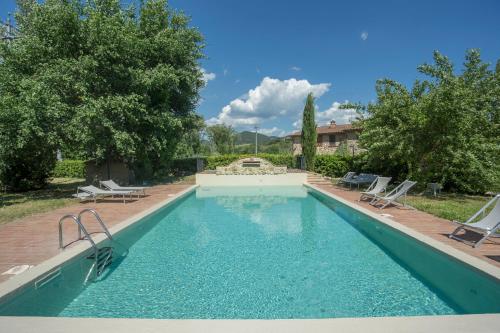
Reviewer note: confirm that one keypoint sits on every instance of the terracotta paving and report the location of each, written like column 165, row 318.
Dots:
column 427, row 224
column 34, row 239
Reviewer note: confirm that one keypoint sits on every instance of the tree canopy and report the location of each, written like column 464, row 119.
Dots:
column 444, row 129
column 95, row 79
column 222, row 138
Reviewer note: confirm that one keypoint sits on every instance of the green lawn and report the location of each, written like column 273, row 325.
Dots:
column 56, row 195
column 448, row 206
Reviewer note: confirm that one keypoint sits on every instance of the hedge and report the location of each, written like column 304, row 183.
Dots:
column 69, row 169
column 223, row 160
column 327, row 165
column 332, row 165
column 212, row 162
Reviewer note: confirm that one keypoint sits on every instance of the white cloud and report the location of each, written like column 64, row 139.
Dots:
column 275, row 131
column 206, row 76
column 364, row 35
column 334, row 112
column 225, row 71
column 272, row 98
column 295, row 68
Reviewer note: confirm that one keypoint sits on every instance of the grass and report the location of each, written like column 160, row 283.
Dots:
column 448, row 206
column 57, row 194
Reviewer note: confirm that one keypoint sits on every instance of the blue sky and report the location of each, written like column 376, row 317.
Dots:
column 265, row 56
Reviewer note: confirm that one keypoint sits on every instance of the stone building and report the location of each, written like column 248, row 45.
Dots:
column 330, row 138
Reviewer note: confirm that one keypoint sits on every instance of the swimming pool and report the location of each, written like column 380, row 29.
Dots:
column 270, row 252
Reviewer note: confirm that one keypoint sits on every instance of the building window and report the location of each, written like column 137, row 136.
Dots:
column 332, row 138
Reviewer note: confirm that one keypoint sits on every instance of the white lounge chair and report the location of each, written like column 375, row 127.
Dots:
column 112, row 186
column 487, row 225
column 378, row 186
column 92, row 192
column 391, row 197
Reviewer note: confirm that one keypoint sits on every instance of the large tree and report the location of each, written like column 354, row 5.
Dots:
column 95, row 79
column 309, row 134
column 222, row 138
column 445, row 129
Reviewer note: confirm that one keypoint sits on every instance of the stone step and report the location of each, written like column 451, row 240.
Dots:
column 317, row 178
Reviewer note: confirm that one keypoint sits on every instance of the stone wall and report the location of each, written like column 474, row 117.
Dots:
column 324, row 148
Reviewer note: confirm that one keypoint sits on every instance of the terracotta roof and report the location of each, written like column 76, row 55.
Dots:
column 331, row 129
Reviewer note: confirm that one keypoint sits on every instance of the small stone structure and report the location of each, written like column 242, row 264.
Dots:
column 251, row 166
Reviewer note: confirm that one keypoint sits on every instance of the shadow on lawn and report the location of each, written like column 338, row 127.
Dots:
column 54, row 190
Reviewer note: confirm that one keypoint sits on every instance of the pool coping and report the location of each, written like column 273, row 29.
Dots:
column 18, row 283
column 478, row 264
column 451, row 324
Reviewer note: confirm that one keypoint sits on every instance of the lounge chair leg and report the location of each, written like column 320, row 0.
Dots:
column 452, row 235
column 384, row 205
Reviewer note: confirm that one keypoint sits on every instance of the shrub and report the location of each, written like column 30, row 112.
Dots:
column 184, row 165
column 332, row 165
column 69, row 169
column 212, row 162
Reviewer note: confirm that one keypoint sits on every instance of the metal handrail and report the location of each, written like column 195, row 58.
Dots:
column 98, row 218
column 81, row 229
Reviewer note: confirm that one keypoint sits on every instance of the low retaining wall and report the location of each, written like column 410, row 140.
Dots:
column 288, row 179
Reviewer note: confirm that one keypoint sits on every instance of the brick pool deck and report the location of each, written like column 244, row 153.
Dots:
column 34, row 239
column 427, row 224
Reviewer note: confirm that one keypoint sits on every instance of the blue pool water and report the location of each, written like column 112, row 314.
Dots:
column 256, row 253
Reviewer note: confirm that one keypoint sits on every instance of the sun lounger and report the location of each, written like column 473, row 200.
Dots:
column 486, row 226
column 112, row 186
column 347, row 177
column 361, row 179
column 378, row 186
column 96, row 193
column 391, row 197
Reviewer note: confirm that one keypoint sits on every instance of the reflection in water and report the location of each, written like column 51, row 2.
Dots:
column 276, row 211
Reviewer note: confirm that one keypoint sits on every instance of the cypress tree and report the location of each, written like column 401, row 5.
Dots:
column 309, row 135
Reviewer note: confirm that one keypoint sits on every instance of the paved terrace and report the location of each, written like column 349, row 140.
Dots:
column 34, row 239
column 424, row 223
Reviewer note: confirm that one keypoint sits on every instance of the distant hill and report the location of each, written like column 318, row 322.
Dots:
column 247, row 137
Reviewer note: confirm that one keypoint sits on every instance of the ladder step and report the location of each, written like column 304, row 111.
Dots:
column 104, row 259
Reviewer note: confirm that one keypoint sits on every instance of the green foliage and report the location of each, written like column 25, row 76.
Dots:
column 309, row 134
column 69, row 169
column 190, row 144
column 184, row 165
column 222, row 138
column 96, row 80
column 247, row 137
column 332, row 165
column 445, row 129
column 212, row 162
column 276, row 146
column 287, row 160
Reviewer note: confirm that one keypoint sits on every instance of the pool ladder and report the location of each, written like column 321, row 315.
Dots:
column 102, row 256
